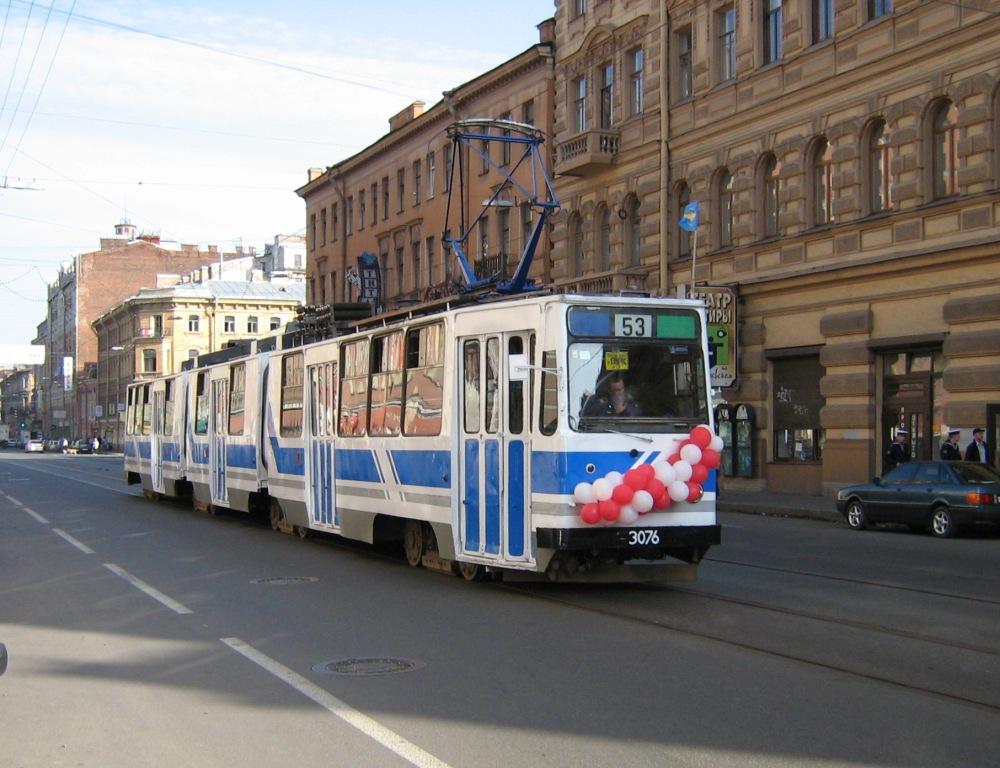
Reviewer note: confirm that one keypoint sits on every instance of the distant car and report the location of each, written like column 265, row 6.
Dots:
column 79, row 446
column 34, row 445
column 944, row 496
column 53, row 444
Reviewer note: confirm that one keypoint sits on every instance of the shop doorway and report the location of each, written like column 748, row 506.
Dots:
column 909, row 383
column 993, row 432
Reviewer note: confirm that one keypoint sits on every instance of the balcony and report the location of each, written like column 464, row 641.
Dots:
column 588, row 152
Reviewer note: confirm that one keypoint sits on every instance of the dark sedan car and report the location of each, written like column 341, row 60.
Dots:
column 942, row 495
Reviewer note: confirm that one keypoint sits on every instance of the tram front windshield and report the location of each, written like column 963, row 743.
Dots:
column 635, row 369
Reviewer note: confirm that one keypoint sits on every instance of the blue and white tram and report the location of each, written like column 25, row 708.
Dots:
column 154, row 449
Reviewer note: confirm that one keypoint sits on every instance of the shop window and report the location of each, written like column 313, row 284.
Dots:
column 797, row 403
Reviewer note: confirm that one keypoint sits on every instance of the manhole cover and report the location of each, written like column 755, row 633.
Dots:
column 368, row 667
column 282, row 580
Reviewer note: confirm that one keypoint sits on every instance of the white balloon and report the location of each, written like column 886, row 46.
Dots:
column 717, row 444
column 628, row 515
column 602, row 489
column 682, row 469
column 642, row 502
column 664, row 472
column 615, row 478
column 584, row 493
column 691, row 453
column 678, row 490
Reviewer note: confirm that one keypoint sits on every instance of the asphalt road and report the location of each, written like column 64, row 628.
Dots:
column 145, row 633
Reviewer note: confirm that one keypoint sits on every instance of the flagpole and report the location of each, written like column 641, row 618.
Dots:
column 694, row 257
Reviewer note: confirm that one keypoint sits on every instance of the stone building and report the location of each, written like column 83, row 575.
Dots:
column 152, row 332
column 391, row 199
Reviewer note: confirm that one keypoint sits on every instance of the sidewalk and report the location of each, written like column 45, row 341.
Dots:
column 782, row 504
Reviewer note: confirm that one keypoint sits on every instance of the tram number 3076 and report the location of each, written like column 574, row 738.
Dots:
column 641, row 537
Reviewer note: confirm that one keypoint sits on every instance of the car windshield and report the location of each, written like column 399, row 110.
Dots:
column 976, row 473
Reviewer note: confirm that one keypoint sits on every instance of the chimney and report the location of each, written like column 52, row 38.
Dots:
column 315, row 173
column 407, row 115
column 547, row 32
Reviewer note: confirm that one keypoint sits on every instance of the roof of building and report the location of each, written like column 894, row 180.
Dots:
column 228, row 289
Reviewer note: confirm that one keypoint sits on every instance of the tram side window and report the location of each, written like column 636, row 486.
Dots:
column 201, row 406
column 385, row 412
column 291, row 395
column 492, row 384
column 168, row 408
column 147, row 411
column 531, row 382
column 423, row 384
column 470, row 356
column 353, row 389
column 515, row 391
column 130, row 413
column 548, row 417
column 237, row 394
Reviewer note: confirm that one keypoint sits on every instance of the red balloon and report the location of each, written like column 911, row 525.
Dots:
column 623, row 493
column 589, row 513
column 655, row 488
column 694, row 491
column 647, row 471
column 609, row 510
column 673, row 458
column 710, row 458
column 635, row 479
column 699, row 473
column 701, row 436
column 662, row 502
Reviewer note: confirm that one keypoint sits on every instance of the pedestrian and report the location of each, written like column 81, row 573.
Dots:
column 94, row 444
column 949, row 448
column 978, row 450
column 899, row 452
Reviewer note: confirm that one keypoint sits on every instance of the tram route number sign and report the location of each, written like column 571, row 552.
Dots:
column 720, row 305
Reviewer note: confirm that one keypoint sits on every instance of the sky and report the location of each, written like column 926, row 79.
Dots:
column 197, row 122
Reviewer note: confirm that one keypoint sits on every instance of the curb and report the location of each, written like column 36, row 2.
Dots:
column 770, row 510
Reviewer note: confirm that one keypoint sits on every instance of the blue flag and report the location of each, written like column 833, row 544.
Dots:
column 689, row 219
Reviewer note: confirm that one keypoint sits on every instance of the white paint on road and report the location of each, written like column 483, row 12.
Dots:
column 14, row 501
column 173, row 605
column 75, row 542
column 35, row 515
column 369, row 727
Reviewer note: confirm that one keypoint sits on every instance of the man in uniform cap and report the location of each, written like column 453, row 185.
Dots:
column 899, row 451
column 977, row 449
column 949, row 448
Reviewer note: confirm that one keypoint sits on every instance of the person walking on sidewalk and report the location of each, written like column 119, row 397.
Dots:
column 899, row 452
column 949, row 448
column 978, row 450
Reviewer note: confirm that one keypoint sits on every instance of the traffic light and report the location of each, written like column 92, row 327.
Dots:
column 24, row 424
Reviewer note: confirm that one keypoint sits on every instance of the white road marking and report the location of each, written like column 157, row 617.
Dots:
column 14, row 501
column 75, row 542
column 35, row 515
column 369, row 727
column 173, row 605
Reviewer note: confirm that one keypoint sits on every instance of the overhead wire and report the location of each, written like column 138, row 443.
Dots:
column 27, row 78
column 17, row 60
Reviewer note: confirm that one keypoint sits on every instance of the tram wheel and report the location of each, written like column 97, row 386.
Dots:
column 301, row 531
column 414, row 542
column 275, row 515
column 472, row 571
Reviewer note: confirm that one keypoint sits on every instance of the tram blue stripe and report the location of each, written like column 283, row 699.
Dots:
column 430, row 469
column 145, row 449
column 357, row 464
column 288, row 461
column 241, row 456
column 560, row 471
column 471, row 496
column 171, row 452
column 492, row 481
column 515, row 498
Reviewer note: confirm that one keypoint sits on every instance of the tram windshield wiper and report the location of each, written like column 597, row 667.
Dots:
column 595, row 427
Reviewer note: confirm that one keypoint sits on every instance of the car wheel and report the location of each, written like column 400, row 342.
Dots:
column 942, row 523
column 856, row 517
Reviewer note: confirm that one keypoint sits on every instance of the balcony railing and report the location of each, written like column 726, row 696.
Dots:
column 588, row 151
column 615, row 282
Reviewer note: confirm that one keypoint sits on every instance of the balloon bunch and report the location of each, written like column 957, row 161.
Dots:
column 622, row 498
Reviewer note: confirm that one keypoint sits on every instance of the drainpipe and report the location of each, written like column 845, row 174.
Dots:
column 664, row 155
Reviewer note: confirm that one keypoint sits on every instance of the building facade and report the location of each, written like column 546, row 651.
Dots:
column 391, row 199
column 154, row 331
column 18, row 400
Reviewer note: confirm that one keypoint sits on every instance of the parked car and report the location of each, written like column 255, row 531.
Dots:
column 53, row 444
column 79, row 446
column 34, row 445
column 945, row 496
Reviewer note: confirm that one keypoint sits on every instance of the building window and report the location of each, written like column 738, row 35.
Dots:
column 400, row 190
column 579, row 8
column 252, row 324
column 604, row 239
column 312, row 231
column 821, row 170
column 484, row 236
column 484, row 155
column 527, row 225
column 879, row 8
column 415, row 250
column 275, row 323
column 636, row 81
column 682, row 197
column 416, row 182
column 374, row 192
column 149, row 361
column 634, row 240
column 726, row 45
column 399, row 270
column 607, row 95
column 768, row 186
column 431, row 175
column 822, row 20
column 580, row 104
column 194, row 323
column 322, row 227
column 772, row 31
column 503, row 224
column 724, row 208
column 505, row 146
column 446, row 153
column 944, row 146
column 429, row 252
column 335, row 222
column 385, row 198
column 349, row 214
column 362, row 209
column 797, row 403
column 576, row 244
column 229, row 324
column 879, row 167
column 528, row 112
column 685, row 79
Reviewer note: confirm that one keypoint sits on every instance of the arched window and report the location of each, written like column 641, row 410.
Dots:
column 603, row 239
column 768, row 190
column 683, row 197
column 724, row 208
column 576, row 245
column 821, row 172
column 944, row 149
column 634, row 240
column 878, row 167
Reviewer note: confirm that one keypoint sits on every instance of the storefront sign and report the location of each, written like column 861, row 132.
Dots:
column 720, row 304
column 371, row 280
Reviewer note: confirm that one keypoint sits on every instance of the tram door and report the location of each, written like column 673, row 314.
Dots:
column 493, row 423
column 156, row 444
column 321, row 415
column 217, row 443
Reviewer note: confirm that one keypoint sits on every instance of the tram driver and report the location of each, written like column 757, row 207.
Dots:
column 617, row 401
